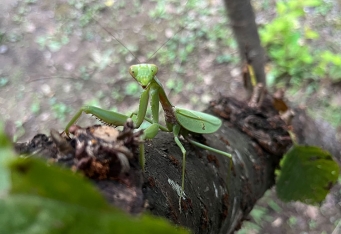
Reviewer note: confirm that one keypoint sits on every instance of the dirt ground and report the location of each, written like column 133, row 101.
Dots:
column 56, row 56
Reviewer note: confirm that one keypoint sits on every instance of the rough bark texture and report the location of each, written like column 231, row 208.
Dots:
column 219, row 195
column 242, row 20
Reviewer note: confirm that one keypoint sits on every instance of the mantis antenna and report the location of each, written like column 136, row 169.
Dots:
column 121, row 43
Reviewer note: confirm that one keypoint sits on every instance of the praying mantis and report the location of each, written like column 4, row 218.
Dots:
column 179, row 121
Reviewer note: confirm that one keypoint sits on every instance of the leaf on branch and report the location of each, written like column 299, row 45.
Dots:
column 48, row 199
column 307, row 174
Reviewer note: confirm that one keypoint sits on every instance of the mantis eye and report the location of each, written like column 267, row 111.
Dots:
column 154, row 69
column 133, row 72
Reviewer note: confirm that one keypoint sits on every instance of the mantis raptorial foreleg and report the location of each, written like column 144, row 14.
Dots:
column 109, row 117
column 114, row 118
column 143, row 105
column 155, row 104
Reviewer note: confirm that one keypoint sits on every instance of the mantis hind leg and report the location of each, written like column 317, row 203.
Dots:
column 213, row 150
column 176, row 131
column 210, row 148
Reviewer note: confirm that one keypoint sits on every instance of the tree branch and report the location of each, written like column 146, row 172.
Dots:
column 219, row 195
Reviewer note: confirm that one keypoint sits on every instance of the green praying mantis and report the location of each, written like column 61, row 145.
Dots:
column 179, row 121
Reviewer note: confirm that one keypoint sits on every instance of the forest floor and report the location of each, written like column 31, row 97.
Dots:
column 56, row 56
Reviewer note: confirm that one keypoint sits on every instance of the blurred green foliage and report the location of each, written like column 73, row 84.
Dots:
column 60, row 201
column 307, row 174
column 288, row 42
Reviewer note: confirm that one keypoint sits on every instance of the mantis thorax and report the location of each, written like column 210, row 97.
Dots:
column 143, row 73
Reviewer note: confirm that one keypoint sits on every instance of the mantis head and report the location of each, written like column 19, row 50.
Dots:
column 143, row 73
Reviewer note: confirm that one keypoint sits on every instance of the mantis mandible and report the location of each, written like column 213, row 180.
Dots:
column 179, row 121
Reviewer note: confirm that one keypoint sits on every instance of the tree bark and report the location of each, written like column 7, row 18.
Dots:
column 219, row 195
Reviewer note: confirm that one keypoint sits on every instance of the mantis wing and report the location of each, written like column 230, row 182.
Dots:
column 196, row 121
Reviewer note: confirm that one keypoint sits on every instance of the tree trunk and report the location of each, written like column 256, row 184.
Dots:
column 242, row 21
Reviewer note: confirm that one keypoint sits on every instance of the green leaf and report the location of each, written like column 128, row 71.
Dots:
column 6, row 154
column 5, row 143
column 281, row 8
column 258, row 214
column 3, row 81
column 307, row 174
column 36, row 215
column 33, row 176
column 48, row 199
column 132, row 88
column 310, row 34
